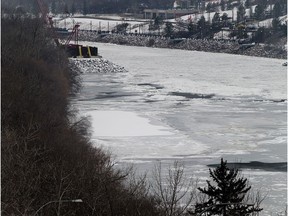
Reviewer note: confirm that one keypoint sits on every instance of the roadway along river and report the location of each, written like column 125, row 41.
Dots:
column 193, row 107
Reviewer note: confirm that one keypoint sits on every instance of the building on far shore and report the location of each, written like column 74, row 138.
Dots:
column 179, row 8
column 167, row 14
column 183, row 4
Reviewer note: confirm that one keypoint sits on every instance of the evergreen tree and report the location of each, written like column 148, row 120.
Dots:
column 247, row 3
column 33, row 8
column 277, row 10
column 202, row 6
column 216, row 24
column 65, row 9
column 259, row 12
column 229, row 5
column 223, row 5
column 157, row 22
column 202, row 26
column 264, row 3
column 209, row 7
column 216, row 18
column 191, row 28
column 241, row 32
column 251, row 12
column 85, row 9
column 168, row 30
column 73, row 8
column 199, row 4
column 260, row 35
column 241, row 13
column 283, row 4
column 53, row 7
column 225, row 19
column 209, row 10
column 201, row 22
column 275, row 24
column 122, row 28
column 226, row 195
column 283, row 29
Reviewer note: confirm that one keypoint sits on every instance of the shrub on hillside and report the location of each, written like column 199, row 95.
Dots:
column 46, row 153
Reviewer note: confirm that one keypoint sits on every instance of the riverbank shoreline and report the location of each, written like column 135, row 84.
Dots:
column 214, row 46
column 276, row 167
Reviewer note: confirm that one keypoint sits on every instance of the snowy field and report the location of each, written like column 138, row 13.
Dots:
column 109, row 22
column 194, row 107
column 101, row 23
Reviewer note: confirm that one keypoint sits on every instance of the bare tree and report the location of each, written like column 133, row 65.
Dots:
column 175, row 191
column 256, row 197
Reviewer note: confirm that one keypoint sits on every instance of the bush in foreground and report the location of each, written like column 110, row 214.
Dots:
column 47, row 157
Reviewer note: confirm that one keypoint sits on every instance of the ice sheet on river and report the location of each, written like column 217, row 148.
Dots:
column 215, row 105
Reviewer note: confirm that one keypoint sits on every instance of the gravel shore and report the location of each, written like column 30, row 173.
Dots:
column 95, row 65
column 216, row 46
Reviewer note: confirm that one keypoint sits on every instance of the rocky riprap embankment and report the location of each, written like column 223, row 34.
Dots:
column 95, row 65
column 270, row 51
column 218, row 46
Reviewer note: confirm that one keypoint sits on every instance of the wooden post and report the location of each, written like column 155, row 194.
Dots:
column 80, row 51
column 89, row 51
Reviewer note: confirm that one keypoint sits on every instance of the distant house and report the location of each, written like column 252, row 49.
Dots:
column 213, row 1
column 179, row 8
column 182, row 4
column 167, row 14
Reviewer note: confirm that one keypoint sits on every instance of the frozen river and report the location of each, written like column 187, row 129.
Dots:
column 193, row 107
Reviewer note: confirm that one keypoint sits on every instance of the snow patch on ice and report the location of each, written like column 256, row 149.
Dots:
column 122, row 123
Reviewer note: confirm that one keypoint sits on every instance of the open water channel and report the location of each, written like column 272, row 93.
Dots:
column 194, row 107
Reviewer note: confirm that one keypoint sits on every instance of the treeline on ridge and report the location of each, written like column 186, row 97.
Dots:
column 87, row 6
column 46, row 153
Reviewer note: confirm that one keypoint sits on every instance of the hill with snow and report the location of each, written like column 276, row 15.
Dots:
column 94, row 22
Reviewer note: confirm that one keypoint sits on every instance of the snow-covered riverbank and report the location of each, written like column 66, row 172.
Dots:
column 217, row 46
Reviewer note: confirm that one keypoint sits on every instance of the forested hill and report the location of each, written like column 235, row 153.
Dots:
column 89, row 6
column 46, row 155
